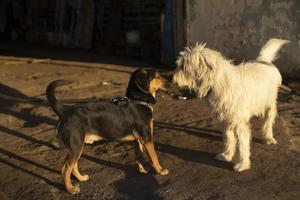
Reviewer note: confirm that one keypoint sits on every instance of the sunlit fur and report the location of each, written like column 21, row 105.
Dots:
column 235, row 93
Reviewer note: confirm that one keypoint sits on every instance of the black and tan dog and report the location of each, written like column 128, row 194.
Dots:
column 130, row 120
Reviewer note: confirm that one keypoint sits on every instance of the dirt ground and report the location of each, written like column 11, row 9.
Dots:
column 186, row 139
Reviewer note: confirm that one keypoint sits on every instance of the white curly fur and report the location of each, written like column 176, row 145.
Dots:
column 235, row 93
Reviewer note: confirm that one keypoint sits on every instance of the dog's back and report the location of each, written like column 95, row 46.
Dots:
column 260, row 84
column 110, row 120
column 261, row 77
column 250, row 88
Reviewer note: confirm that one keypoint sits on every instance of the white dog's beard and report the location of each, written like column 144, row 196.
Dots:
column 201, row 87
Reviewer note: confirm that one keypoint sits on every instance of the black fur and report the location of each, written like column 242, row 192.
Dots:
column 50, row 93
column 138, row 86
column 120, row 119
column 107, row 119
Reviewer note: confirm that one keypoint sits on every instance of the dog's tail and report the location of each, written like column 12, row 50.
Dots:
column 269, row 51
column 50, row 92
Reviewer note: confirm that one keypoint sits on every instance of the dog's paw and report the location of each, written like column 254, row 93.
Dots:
column 270, row 141
column 84, row 177
column 241, row 167
column 163, row 172
column 223, row 157
column 74, row 190
column 141, row 169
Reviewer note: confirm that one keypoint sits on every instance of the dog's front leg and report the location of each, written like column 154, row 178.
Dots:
column 138, row 150
column 153, row 157
column 149, row 146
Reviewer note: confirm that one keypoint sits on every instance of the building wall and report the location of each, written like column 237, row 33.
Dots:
column 238, row 28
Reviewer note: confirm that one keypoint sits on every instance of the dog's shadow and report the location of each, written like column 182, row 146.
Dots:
column 199, row 132
column 139, row 186
column 202, row 157
column 198, row 156
column 134, row 185
column 196, row 131
column 191, row 155
column 124, row 186
column 146, row 184
column 11, row 97
column 30, row 172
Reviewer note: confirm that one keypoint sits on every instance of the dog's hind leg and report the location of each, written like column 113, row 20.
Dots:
column 244, row 136
column 268, row 125
column 230, row 145
column 139, row 149
column 76, row 172
column 66, row 173
column 74, row 148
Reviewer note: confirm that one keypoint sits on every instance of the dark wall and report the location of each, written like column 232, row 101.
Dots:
column 238, row 28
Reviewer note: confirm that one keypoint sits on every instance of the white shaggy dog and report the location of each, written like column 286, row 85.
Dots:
column 235, row 93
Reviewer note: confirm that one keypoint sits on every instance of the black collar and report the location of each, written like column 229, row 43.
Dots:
column 140, row 102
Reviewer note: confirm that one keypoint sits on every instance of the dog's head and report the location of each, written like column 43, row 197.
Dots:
column 189, row 64
column 143, row 85
column 197, row 67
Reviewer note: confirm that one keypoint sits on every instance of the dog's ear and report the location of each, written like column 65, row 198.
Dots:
column 142, row 81
column 139, row 86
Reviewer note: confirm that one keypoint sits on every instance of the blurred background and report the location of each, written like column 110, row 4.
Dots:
column 154, row 30
column 97, row 44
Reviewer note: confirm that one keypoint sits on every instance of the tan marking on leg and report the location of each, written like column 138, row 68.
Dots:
column 78, row 175
column 141, row 167
column 153, row 157
column 141, row 147
column 138, row 150
column 151, row 128
column 66, row 173
column 75, row 170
